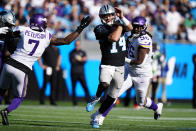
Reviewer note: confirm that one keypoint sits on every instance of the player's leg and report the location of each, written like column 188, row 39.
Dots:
column 4, row 84
column 142, row 92
column 19, row 82
column 105, row 77
column 126, row 85
column 113, row 93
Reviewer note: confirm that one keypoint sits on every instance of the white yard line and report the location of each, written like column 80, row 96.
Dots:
column 162, row 118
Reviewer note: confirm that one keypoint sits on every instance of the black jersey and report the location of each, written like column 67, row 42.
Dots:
column 113, row 53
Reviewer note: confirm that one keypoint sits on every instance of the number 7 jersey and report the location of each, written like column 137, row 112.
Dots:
column 31, row 45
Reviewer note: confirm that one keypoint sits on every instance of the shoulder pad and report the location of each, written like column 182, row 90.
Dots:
column 145, row 41
column 101, row 31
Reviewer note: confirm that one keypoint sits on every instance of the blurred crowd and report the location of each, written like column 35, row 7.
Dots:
column 168, row 19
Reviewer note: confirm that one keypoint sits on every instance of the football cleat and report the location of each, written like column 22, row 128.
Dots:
column 4, row 114
column 101, row 118
column 98, row 120
column 90, row 106
column 95, row 124
column 158, row 112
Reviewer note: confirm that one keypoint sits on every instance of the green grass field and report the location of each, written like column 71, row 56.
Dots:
column 32, row 117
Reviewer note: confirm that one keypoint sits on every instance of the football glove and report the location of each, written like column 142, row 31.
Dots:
column 4, row 30
column 84, row 23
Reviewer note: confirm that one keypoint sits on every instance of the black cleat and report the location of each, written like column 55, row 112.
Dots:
column 158, row 112
column 4, row 114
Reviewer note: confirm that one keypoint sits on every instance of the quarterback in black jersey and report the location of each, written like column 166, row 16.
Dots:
column 110, row 35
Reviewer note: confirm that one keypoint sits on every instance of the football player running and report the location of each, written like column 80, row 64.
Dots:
column 33, row 41
column 110, row 35
column 138, row 70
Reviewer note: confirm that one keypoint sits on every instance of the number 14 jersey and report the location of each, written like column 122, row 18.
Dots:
column 31, row 45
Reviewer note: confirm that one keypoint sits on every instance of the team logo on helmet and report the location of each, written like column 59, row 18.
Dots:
column 139, row 25
column 38, row 22
column 107, row 15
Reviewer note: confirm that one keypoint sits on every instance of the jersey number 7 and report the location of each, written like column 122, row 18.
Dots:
column 35, row 46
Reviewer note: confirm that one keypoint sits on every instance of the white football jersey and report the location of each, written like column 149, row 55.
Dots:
column 133, row 43
column 31, row 45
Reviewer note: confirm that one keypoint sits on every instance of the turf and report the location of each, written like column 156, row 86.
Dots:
column 32, row 117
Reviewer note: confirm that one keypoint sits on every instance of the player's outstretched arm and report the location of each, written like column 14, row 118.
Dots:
column 126, row 22
column 68, row 39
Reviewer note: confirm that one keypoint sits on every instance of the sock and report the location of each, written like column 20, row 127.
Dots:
column 14, row 104
column 108, row 110
column 101, row 89
column 151, row 104
column 106, row 104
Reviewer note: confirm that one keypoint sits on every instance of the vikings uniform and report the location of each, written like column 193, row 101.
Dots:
column 113, row 59
column 138, row 75
column 29, row 48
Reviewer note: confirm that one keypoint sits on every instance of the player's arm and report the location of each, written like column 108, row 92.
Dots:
column 116, row 34
column 71, row 37
column 58, row 63
column 126, row 23
column 5, row 32
column 142, row 52
column 65, row 41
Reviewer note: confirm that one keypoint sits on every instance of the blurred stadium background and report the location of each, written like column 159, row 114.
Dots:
column 174, row 32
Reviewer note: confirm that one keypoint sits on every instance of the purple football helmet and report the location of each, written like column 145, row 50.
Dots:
column 139, row 24
column 38, row 22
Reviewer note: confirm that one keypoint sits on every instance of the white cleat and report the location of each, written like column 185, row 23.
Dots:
column 158, row 112
column 97, row 119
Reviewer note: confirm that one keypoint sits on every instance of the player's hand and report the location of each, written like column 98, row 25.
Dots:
column 4, row 30
column 119, row 12
column 86, row 20
column 118, row 22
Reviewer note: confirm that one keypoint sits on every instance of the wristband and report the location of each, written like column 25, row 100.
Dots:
column 127, row 60
column 125, row 21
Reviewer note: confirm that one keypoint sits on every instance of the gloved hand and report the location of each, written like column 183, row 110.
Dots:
column 4, row 30
column 84, row 23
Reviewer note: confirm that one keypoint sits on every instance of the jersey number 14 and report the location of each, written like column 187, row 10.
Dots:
column 121, row 43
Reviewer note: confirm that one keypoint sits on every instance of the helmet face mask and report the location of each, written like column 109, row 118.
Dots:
column 107, row 15
column 38, row 22
column 139, row 25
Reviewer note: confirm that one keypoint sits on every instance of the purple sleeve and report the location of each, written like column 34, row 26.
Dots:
column 50, row 35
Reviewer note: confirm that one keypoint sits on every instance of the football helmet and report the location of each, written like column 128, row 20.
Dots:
column 140, row 25
column 38, row 22
column 107, row 15
column 7, row 18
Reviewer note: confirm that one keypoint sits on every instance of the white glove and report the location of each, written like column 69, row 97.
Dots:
column 4, row 30
column 127, row 60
